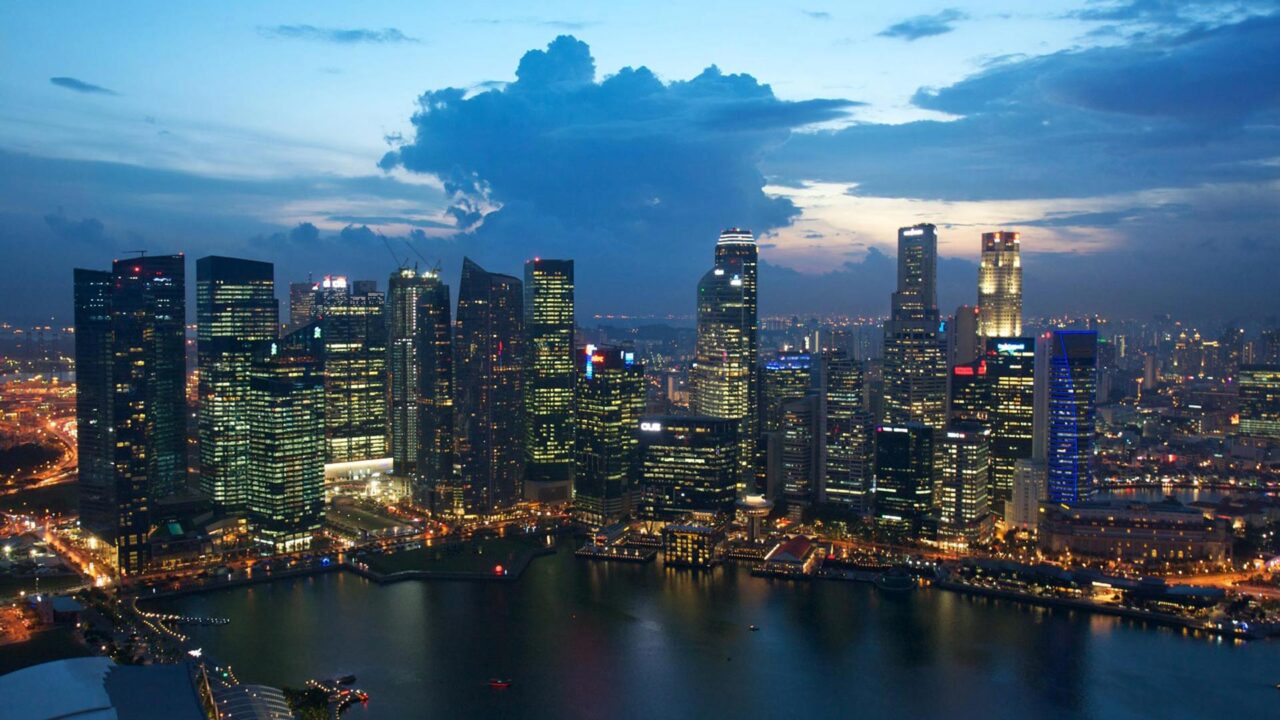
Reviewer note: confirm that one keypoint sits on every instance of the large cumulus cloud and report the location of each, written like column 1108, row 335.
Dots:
column 630, row 175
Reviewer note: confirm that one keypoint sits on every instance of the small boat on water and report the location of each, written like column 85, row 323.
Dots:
column 499, row 683
column 896, row 580
column 753, row 628
column 347, row 680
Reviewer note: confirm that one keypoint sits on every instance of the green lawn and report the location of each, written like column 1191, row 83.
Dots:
column 474, row 557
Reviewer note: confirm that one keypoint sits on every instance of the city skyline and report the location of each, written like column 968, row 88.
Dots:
column 891, row 124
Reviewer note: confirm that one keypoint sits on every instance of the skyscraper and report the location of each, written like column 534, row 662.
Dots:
column 489, row 358
column 737, row 253
column 848, row 461
column 904, row 477
column 786, row 377
column 1259, row 388
column 1000, row 285
column 611, row 394
column 688, row 464
column 405, row 291
column 237, row 318
column 302, row 303
column 962, row 339
column 1011, row 387
column 915, row 355
column 285, row 459
column 802, row 426
column 549, row 375
column 353, row 332
column 1072, row 386
column 435, row 465
column 130, row 402
column 965, row 514
column 722, row 370
column 970, row 391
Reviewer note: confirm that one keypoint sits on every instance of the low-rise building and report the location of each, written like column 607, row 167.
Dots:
column 1167, row 532
column 692, row 545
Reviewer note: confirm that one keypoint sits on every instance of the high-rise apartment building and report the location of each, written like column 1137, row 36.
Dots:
column 1000, row 285
column 489, row 369
column 1072, row 378
column 549, row 375
column 237, row 319
column 915, row 351
column 610, row 401
column 130, row 398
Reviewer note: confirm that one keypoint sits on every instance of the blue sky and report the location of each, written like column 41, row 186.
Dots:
column 1134, row 143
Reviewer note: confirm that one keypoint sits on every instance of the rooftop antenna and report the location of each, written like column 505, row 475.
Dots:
column 140, row 253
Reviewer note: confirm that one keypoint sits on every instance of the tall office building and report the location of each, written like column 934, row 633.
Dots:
column 688, row 464
column 237, row 319
column 904, row 477
column 1011, row 383
column 963, row 342
column 611, row 394
column 789, row 376
column 285, row 458
column 964, row 469
column 1072, row 378
column 848, row 461
column 1259, row 388
column 436, row 470
column 409, row 346
column 353, row 333
column 549, row 375
column 970, row 391
column 1000, row 285
column 489, row 360
column 725, row 376
column 302, row 303
column 915, row 352
column 130, row 401
column 802, row 428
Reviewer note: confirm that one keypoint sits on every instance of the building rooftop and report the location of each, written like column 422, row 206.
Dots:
column 95, row 688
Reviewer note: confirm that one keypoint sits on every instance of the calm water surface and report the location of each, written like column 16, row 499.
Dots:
column 587, row 639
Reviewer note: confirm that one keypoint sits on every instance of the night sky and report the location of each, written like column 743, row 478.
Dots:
column 1135, row 144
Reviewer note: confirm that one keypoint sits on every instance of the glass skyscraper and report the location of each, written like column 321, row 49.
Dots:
column 353, row 334
column 237, row 318
column 549, row 375
column 611, row 395
column 436, row 469
column 406, row 289
column 1011, row 387
column 915, row 346
column 688, row 464
column 130, row 398
column 489, row 361
column 904, row 477
column 848, row 464
column 1072, row 384
column 964, row 469
column 1000, row 285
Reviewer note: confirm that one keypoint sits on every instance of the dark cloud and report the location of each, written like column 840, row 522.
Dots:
column 89, row 231
column 631, row 176
column 342, row 36
column 923, row 26
column 1201, row 107
column 81, row 86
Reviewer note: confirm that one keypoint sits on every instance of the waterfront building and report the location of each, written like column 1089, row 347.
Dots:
column 237, row 319
column 964, row 476
column 915, row 352
column 286, row 410
column 438, row 481
column 792, row 557
column 754, row 510
column 1158, row 532
column 489, row 362
column 1011, row 382
column 1259, row 388
column 848, row 451
column 692, row 545
column 549, row 375
column 904, row 477
column 803, row 462
column 1023, row 510
column 130, row 402
column 611, row 395
column 353, row 348
column 688, row 464
column 1072, row 382
column 724, row 374
column 1000, row 285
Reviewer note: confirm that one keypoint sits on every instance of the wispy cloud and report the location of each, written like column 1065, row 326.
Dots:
column 537, row 22
column 923, row 26
column 81, row 86
column 341, row 36
column 817, row 14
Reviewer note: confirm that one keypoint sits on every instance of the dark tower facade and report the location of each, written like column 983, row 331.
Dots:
column 548, row 380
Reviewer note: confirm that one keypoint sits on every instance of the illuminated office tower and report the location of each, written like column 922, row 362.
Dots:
column 438, row 480
column 737, row 253
column 610, row 401
column 722, row 372
column 1011, row 388
column 915, row 350
column 405, row 290
column 130, row 401
column 549, row 375
column 848, row 463
column 970, row 391
column 803, row 468
column 688, row 464
column 786, row 377
column 237, row 318
column 285, row 459
column 488, row 362
column 964, row 469
column 353, row 332
column 1000, row 285
column 1072, row 376
column 1259, row 388
column 904, row 477
column 963, row 342
column 302, row 303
